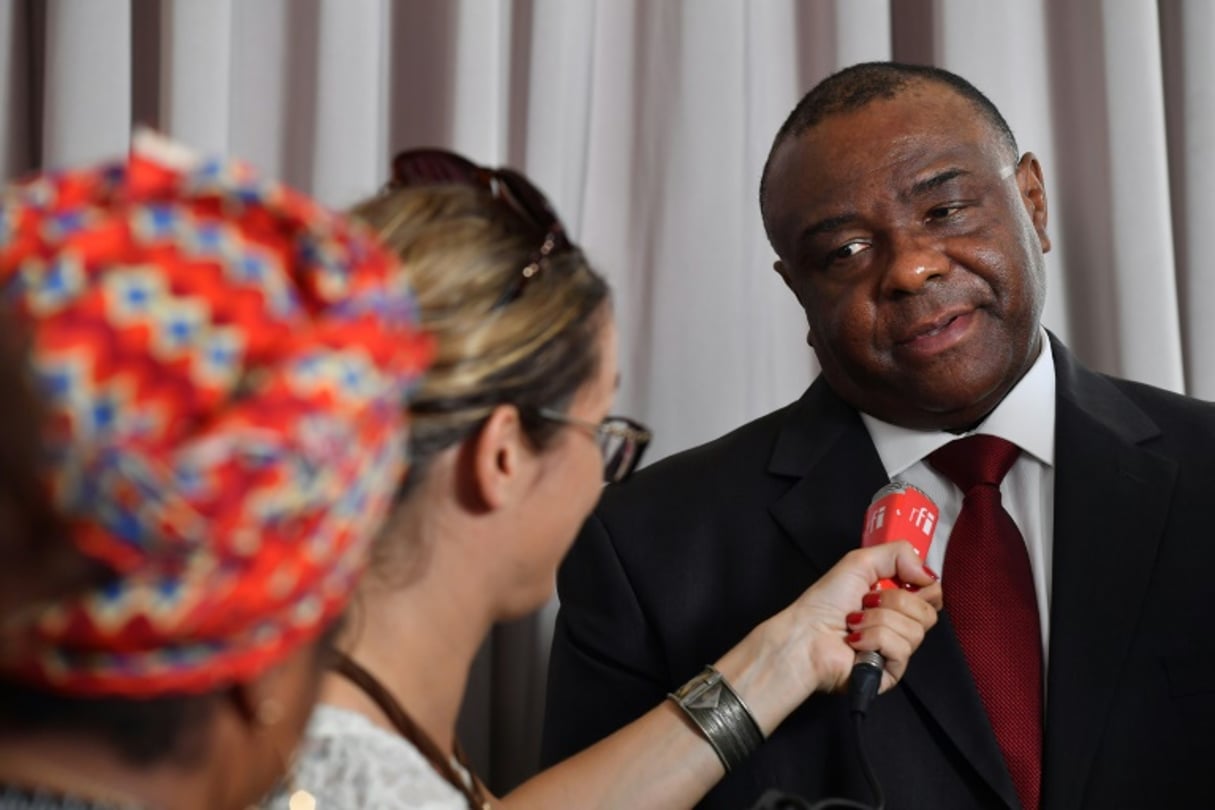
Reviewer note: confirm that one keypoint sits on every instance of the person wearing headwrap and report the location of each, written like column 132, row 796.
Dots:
column 224, row 368
column 39, row 562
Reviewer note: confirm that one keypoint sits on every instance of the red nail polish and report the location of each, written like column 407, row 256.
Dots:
column 871, row 599
column 931, row 573
column 907, row 586
column 853, row 638
column 854, row 618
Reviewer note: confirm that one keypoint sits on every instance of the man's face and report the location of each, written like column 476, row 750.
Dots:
column 914, row 241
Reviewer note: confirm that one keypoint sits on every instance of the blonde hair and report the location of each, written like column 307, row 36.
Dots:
column 501, row 337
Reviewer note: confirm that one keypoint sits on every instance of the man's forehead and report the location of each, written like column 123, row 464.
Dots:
column 900, row 137
column 927, row 108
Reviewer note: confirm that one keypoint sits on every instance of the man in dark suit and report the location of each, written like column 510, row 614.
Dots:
column 913, row 235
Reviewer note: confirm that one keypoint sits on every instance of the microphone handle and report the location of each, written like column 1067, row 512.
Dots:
column 865, row 680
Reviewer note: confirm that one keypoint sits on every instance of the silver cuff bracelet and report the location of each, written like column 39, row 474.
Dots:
column 712, row 704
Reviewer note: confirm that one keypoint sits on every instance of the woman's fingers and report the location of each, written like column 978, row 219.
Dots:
column 893, row 622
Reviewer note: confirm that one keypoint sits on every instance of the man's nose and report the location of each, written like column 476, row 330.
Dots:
column 913, row 262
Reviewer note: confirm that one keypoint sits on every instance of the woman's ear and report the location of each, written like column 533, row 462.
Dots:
column 500, row 457
column 269, row 712
column 255, row 703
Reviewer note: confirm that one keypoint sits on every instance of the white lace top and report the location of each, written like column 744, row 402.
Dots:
column 349, row 763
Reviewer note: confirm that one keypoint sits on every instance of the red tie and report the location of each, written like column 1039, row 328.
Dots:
column 989, row 592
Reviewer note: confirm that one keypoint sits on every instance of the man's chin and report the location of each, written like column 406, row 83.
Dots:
column 927, row 411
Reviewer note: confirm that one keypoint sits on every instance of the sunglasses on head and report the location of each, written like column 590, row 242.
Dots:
column 431, row 167
column 621, row 440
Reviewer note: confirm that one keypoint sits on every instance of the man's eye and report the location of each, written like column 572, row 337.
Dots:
column 944, row 211
column 846, row 251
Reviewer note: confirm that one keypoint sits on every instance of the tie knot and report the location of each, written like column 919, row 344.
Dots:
column 975, row 460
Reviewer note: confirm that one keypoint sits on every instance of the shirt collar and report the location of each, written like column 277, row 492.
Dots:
column 1026, row 417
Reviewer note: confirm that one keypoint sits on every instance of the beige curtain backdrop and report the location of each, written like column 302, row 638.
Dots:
column 647, row 122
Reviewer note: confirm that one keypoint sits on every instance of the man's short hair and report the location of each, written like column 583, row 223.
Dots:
column 855, row 86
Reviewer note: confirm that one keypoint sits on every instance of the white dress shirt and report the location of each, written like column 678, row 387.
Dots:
column 1025, row 417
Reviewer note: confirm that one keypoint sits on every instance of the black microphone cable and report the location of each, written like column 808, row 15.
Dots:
column 863, row 686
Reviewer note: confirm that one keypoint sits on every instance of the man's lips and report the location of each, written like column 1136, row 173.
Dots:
column 937, row 333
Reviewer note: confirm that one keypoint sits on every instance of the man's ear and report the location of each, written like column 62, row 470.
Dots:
column 497, row 458
column 786, row 274
column 1033, row 195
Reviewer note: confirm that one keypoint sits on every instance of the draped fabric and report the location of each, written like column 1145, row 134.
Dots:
column 647, row 122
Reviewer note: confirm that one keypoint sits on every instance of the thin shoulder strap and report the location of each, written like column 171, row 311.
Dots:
column 354, row 672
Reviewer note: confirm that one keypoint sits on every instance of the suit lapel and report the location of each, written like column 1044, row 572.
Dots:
column 825, row 445
column 1111, row 504
column 938, row 679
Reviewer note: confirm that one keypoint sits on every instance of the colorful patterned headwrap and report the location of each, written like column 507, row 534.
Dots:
column 226, row 366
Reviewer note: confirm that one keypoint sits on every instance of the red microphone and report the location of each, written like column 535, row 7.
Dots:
column 898, row 511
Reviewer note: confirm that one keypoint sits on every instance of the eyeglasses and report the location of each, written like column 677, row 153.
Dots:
column 430, row 167
column 621, row 440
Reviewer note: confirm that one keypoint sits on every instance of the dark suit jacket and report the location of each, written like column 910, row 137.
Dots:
column 679, row 563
